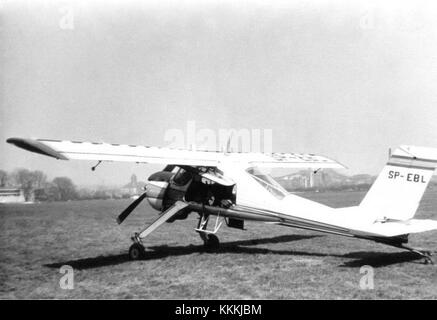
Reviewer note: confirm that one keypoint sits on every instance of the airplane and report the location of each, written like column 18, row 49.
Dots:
column 232, row 187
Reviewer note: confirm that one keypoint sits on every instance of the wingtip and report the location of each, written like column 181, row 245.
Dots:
column 36, row 146
column 12, row 140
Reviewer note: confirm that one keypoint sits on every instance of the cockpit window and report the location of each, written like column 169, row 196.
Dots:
column 268, row 182
column 182, row 177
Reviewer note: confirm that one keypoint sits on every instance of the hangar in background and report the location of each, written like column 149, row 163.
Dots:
column 8, row 195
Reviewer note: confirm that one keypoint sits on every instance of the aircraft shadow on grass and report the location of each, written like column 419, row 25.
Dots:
column 379, row 259
column 374, row 259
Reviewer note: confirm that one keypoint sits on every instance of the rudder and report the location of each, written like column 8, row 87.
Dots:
column 397, row 191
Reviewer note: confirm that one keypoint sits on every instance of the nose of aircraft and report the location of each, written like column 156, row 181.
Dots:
column 155, row 191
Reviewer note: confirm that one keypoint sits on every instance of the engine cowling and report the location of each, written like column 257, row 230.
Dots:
column 155, row 192
column 156, row 188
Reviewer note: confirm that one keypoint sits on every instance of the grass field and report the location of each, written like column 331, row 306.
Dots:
column 263, row 262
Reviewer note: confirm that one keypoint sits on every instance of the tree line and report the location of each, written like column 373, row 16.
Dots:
column 36, row 185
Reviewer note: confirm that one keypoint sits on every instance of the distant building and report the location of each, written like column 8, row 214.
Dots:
column 134, row 188
column 11, row 196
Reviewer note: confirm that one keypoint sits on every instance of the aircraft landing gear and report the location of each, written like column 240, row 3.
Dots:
column 211, row 243
column 137, row 251
column 426, row 254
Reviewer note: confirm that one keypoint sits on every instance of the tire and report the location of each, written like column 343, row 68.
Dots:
column 212, row 243
column 137, row 252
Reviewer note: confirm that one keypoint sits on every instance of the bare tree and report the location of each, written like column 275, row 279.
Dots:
column 28, row 181
column 65, row 188
column 4, row 178
column 39, row 179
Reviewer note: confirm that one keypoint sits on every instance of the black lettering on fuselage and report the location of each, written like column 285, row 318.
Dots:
column 410, row 177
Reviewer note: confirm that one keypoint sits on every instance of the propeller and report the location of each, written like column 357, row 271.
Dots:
column 131, row 208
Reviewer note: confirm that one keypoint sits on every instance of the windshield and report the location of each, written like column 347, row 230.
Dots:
column 182, row 177
column 268, row 182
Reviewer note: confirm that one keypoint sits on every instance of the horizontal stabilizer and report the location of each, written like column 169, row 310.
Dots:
column 396, row 228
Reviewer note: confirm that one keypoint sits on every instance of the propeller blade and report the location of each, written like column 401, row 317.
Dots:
column 131, row 208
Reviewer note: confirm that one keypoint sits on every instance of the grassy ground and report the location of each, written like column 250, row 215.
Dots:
column 264, row 262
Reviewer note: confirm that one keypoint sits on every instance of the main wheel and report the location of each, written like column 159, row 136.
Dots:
column 212, row 243
column 137, row 252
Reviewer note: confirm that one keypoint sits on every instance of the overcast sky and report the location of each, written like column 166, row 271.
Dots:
column 347, row 79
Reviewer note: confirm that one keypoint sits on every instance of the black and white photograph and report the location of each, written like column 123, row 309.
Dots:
column 218, row 150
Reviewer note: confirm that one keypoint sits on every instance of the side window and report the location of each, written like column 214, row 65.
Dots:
column 182, row 177
column 268, row 183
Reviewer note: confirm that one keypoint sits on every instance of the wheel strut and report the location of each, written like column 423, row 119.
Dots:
column 425, row 254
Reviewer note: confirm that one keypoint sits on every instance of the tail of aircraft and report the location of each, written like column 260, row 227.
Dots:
column 397, row 191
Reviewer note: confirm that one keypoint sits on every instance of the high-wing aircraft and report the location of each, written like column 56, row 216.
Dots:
column 231, row 187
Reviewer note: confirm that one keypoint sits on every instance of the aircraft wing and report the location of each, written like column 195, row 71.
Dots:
column 289, row 160
column 77, row 150
column 97, row 151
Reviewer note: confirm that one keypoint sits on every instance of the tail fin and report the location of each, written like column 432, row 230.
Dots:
column 398, row 189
